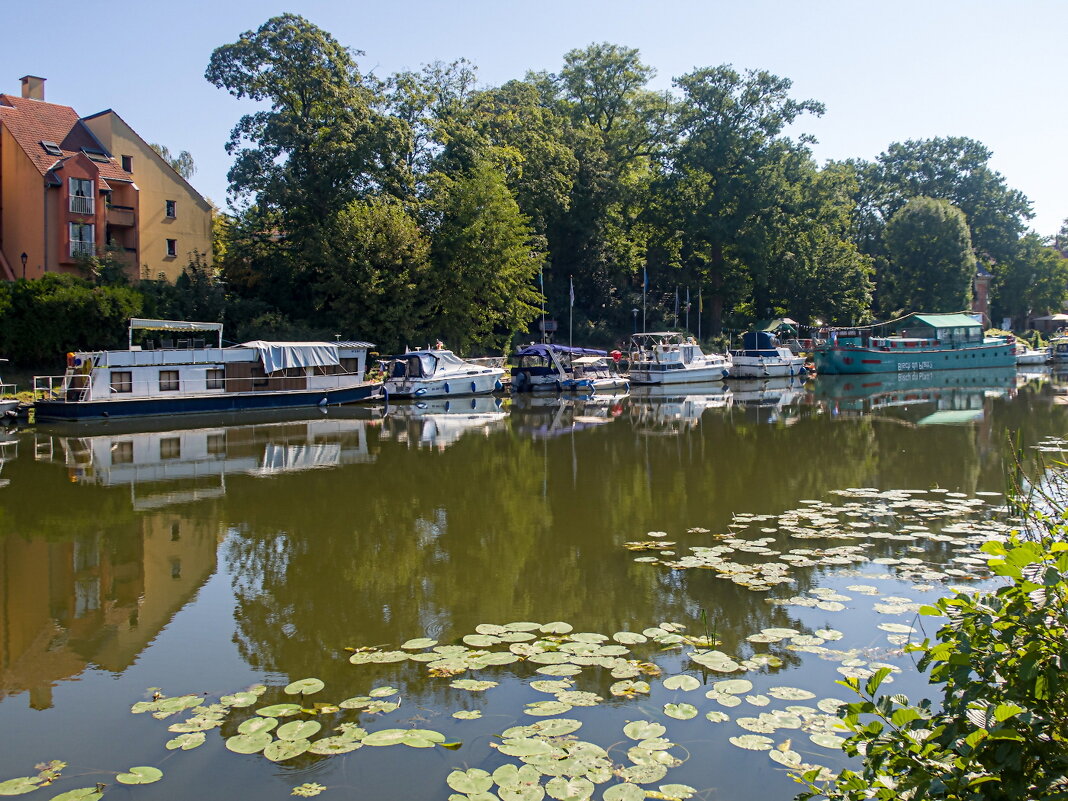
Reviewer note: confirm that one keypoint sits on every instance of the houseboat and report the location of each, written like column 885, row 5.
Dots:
column 668, row 357
column 762, row 355
column 916, row 343
column 439, row 373
column 9, row 404
column 557, row 368
column 172, row 369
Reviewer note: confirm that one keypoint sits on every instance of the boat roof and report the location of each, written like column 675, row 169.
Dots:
column 542, row 349
column 675, row 334
column 277, row 356
column 943, row 320
column 142, row 323
column 590, row 359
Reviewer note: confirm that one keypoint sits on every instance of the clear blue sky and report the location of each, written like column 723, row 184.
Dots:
column 887, row 71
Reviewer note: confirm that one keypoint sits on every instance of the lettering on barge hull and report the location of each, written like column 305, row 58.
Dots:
column 908, row 367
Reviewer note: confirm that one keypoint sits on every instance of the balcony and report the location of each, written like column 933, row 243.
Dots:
column 121, row 216
column 81, row 248
column 81, row 205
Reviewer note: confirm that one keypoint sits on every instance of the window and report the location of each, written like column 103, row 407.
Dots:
column 170, row 448
column 51, row 148
column 216, row 379
column 217, row 444
column 168, row 380
column 122, row 452
column 81, row 196
column 121, row 381
column 82, row 236
column 127, row 163
column 172, row 209
column 99, row 156
column 172, row 248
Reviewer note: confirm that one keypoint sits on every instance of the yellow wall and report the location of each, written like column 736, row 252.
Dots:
column 23, row 218
column 158, row 183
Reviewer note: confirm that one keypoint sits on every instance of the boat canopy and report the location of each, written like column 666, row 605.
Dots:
column 277, row 356
column 145, row 324
column 540, row 349
column 759, row 340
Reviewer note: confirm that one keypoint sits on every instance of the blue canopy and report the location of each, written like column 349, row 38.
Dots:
column 539, row 349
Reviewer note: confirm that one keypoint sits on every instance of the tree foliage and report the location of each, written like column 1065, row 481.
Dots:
column 931, row 263
column 1032, row 282
column 182, row 163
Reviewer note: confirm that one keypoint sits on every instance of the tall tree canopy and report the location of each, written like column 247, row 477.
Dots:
column 1033, row 282
column 932, row 264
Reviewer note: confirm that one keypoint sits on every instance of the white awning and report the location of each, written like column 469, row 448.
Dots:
column 277, row 356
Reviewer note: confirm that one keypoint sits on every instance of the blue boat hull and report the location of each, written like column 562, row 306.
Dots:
column 200, row 404
column 838, row 360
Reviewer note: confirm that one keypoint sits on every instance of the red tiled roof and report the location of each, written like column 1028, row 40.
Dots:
column 31, row 121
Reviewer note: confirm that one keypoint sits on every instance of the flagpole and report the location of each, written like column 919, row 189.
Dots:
column 687, row 309
column 571, row 310
column 645, row 288
column 676, row 305
column 541, row 277
column 700, row 309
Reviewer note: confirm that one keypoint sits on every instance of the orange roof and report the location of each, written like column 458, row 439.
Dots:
column 33, row 121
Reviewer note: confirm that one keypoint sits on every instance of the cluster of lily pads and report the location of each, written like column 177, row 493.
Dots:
column 49, row 772
column 962, row 523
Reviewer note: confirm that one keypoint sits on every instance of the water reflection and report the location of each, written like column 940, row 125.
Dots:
column 671, row 409
column 440, row 422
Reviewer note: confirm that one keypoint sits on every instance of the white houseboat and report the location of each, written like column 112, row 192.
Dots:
column 172, row 369
column 668, row 357
column 439, row 373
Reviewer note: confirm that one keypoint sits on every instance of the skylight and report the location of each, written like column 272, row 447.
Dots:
column 51, row 148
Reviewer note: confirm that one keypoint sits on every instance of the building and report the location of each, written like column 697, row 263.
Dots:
column 75, row 186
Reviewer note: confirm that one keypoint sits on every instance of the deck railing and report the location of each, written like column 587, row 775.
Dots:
column 82, row 205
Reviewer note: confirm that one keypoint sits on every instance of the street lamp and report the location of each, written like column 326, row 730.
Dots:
column 24, row 257
column 635, row 313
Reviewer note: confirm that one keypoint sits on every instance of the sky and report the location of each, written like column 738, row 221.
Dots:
column 886, row 71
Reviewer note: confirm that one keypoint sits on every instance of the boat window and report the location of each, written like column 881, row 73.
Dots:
column 415, row 367
column 122, row 452
column 170, row 448
column 398, row 369
column 168, row 380
column 216, row 379
column 121, row 381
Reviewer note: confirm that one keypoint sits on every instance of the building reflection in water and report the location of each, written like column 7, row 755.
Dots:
column 94, row 594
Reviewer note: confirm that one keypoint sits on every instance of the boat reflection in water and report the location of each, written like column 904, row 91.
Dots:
column 770, row 400
column 668, row 409
column 195, row 461
column 439, row 422
column 940, row 396
column 546, row 416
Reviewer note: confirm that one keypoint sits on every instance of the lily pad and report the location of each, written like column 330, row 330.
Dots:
column 539, row 708
column 298, row 730
column 383, row 692
column 467, row 714
column 679, row 792
column 715, row 716
column 557, row 627
column 753, row 742
column 304, row 687
column 81, row 794
column 308, row 789
column 281, row 750
column 680, row 711
column 384, row 737
column 643, row 729
column 681, row 682
column 249, row 743
column 564, row 789
column 790, row 693
column 624, row 792
column 422, row 738
column 23, row 784
column 470, row 781
column 186, row 742
column 629, row 638
column 419, row 642
column 140, row 775
column 827, row 740
column 279, row 710
column 239, row 699
column 328, row 746
column 733, row 686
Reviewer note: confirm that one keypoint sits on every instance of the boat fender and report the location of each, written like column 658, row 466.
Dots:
column 497, row 385
column 474, row 387
column 422, row 391
column 446, row 386
column 626, row 386
column 448, row 406
column 322, row 402
column 726, row 373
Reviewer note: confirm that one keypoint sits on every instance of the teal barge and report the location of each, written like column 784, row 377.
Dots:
column 913, row 344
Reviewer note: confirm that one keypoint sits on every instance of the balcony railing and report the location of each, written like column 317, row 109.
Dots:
column 81, row 205
column 121, row 215
column 81, row 249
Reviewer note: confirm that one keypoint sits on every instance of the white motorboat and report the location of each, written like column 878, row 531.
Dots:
column 1026, row 355
column 668, row 357
column 1058, row 349
column 762, row 355
column 439, row 373
column 558, row 368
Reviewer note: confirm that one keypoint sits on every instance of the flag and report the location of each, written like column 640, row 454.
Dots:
column 541, row 279
column 571, row 293
column 645, row 278
column 687, row 298
column 676, row 305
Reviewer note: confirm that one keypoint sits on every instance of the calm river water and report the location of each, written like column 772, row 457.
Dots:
column 204, row 557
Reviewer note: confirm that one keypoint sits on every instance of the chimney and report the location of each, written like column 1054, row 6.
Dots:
column 33, row 87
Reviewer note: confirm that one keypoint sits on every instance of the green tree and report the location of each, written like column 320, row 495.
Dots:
column 318, row 146
column 1034, row 281
column 182, row 163
column 955, row 169
column 931, row 260
column 728, row 175
column 481, row 291
column 381, row 259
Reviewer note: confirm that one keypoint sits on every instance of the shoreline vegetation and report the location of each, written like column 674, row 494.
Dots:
column 425, row 205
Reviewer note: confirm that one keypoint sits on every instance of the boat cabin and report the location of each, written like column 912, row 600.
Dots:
column 945, row 328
